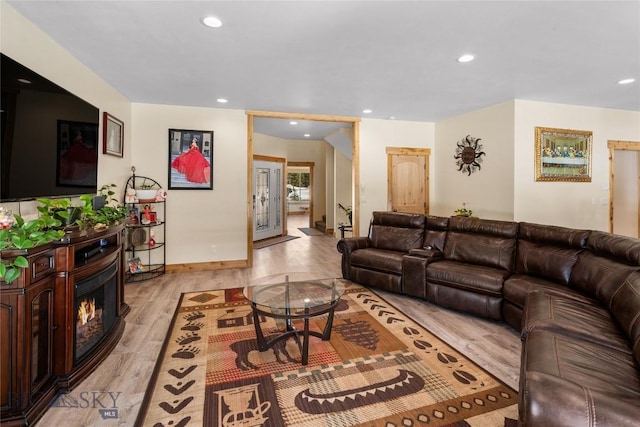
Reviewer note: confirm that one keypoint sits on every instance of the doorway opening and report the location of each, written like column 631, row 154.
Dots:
column 624, row 188
column 300, row 193
column 355, row 196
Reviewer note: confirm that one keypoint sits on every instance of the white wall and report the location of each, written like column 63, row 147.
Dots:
column 198, row 219
column 488, row 192
column 267, row 145
column 375, row 136
column 569, row 204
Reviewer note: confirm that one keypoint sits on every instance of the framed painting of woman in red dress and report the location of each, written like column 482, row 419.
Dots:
column 190, row 159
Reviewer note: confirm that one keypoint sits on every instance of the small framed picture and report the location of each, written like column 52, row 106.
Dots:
column 148, row 218
column 112, row 135
column 133, row 217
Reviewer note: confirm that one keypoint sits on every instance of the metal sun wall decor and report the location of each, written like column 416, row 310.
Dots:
column 469, row 154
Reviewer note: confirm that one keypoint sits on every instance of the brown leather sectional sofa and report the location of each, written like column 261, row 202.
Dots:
column 573, row 294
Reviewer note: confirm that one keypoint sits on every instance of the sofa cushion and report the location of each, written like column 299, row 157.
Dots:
column 482, row 242
column 548, row 251
column 377, row 279
column 583, row 320
column 626, row 249
column 397, row 231
column 518, row 287
column 378, row 259
column 604, row 266
column 624, row 304
column 597, row 276
column 568, row 381
column 435, row 233
column 469, row 277
column 479, row 304
column 549, row 400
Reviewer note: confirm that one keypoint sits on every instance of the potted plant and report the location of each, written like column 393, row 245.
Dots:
column 463, row 211
column 347, row 211
column 61, row 209
column 23, row 234
column 111, row 213
column 146, row 191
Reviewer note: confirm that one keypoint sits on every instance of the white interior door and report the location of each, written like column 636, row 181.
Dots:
column 267, row 199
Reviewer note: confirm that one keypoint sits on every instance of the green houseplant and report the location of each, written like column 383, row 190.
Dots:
column 348, row 211
column 61, row 209
column 463, row 211
column 25, row 235
column 54, row 214
column 111, row 213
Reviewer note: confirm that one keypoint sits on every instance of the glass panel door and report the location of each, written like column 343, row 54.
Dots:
column 267, row 199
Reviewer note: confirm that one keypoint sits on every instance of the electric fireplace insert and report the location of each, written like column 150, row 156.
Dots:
column 95, row 307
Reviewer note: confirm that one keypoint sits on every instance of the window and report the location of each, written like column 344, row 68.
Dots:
column 298, row 186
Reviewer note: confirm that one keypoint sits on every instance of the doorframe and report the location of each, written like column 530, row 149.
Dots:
column 309, row 165
column 620, row 145
column 283, row 190
column 355, row 165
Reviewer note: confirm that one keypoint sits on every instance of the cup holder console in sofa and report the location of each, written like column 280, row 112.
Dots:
column 574, row 295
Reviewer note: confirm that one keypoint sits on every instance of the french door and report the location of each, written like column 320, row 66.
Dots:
column 268, row 181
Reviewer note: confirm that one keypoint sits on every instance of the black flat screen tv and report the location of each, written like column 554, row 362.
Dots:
column 49, row 137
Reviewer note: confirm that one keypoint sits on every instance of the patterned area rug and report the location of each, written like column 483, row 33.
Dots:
column 380, row 368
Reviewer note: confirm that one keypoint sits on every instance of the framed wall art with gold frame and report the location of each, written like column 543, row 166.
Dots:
column 563, row 155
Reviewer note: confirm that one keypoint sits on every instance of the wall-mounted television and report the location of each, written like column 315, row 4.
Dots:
column 48, row 137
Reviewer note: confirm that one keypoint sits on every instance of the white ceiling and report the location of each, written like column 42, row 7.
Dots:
column 397, row 58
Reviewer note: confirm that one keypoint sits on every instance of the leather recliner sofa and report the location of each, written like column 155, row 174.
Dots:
column 574, row 295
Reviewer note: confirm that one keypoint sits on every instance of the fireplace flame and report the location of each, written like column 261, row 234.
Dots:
column 87, row 310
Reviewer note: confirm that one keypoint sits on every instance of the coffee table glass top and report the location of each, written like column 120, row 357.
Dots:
column 294, row 292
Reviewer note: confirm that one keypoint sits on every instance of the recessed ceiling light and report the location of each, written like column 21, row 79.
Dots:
column 222, row 100
column 466, row 58
column 307, row 135
column 25, row 81
column 391, row 117
column 367, row 111
column 212, row 21
column 626, row 81
column 293, row 123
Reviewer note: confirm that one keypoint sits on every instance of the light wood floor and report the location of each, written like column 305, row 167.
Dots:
column 128, row 368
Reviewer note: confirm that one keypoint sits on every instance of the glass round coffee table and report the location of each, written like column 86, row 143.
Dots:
column 293, row 297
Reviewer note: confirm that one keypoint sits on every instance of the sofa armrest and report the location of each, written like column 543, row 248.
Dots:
column 350, row 244
column 426, row 252
column 346, row 247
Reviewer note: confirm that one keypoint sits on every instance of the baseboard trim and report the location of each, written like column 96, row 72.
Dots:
column 207, row 266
